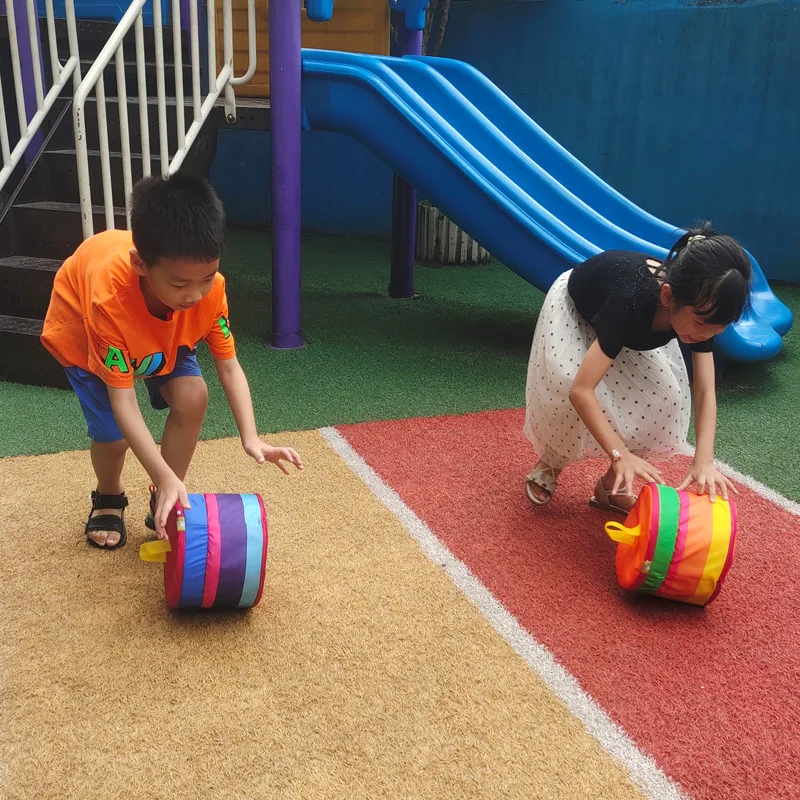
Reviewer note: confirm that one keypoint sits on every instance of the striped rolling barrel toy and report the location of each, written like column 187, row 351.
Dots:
column 675, row 544
column 216, row 556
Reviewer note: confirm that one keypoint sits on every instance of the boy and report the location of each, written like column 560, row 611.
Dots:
column 135, row 304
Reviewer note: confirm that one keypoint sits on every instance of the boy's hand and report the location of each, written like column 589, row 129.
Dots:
column 169, row 493
column 262, row 452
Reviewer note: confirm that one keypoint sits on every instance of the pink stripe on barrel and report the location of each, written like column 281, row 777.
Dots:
column 173, row 569
column 265, row 526
column 214, row 552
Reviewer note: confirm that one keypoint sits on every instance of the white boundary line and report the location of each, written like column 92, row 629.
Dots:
column 768, row 494
column 756, row 486
column 642, row 769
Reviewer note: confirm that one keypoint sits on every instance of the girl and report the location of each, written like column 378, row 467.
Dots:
column 606, row 375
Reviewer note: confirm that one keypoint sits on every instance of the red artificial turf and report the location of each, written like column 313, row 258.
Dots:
column 712, row 694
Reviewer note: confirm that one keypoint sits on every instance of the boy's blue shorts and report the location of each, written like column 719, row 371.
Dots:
column 96, row 404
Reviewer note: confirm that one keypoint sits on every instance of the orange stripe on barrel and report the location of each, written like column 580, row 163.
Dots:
column 698, row 542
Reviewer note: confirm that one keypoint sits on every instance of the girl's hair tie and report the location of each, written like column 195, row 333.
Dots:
column 695, row 238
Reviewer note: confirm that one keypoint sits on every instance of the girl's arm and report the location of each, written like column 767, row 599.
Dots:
column 705, row 406
column 703, row 472
column 583, row 398
column 237, row 390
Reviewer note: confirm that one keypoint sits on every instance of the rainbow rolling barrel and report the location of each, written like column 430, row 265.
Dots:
column 216, row 556
column 675, row 544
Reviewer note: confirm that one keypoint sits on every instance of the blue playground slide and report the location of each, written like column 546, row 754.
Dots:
column 454, row 136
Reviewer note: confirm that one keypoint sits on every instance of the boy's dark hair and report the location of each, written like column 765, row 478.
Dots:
column 711, row 273
column 180, row 217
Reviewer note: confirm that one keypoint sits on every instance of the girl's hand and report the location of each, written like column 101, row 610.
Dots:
column 262, row 452
column 708, row 479
column 628, row 467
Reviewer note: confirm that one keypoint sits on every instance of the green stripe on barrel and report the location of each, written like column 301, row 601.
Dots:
column 669, row 506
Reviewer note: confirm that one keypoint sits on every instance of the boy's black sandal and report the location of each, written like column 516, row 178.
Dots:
column 107, row 522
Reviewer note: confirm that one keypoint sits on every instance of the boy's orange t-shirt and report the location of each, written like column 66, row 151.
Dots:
column 98, row 320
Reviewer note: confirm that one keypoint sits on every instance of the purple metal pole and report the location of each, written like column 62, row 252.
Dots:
column 284, row 61
column 27, row 67
column 185, row 16
column 404, row 199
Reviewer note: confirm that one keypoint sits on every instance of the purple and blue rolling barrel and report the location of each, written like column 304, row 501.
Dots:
column 216, row 556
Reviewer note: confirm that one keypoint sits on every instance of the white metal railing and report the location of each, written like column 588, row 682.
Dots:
column 60, row 75
column 220, row 81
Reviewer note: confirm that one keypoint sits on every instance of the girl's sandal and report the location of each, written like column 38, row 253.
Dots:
column 544, row 477
column 603, row 499
column 107, row 522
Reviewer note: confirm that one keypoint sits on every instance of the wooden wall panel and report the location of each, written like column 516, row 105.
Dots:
column 357, row 26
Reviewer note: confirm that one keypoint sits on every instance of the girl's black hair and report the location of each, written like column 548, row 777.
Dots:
column 180, row 217
column 709, row 272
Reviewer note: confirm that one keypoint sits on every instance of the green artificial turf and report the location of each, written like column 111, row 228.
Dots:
column 462, row 346
column 759, row 412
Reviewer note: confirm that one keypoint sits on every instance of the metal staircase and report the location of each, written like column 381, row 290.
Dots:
column 41, row 218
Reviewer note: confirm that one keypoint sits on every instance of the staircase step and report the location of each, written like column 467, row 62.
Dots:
column 132, row 78
column 62, row 169
column 53, row 229
column 52, row 205
column 25, row 359
column 31, row 263
column 64, row 138
column 25, row 285
column 94, row 34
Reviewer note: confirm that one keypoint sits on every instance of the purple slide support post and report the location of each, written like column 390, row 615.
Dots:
column 285, row 112
column 404, row 197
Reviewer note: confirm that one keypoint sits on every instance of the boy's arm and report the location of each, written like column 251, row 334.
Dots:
column 170, row 488
column 237, row 390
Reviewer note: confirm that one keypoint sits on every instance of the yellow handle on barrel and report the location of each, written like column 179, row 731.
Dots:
column 619, row 533
column 155, row 551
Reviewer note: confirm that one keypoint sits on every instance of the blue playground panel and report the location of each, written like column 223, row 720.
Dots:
column 414, row 11
column 319, row 10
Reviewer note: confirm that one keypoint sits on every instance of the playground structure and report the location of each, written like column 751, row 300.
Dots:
column 449, row 132
column 443, row 128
